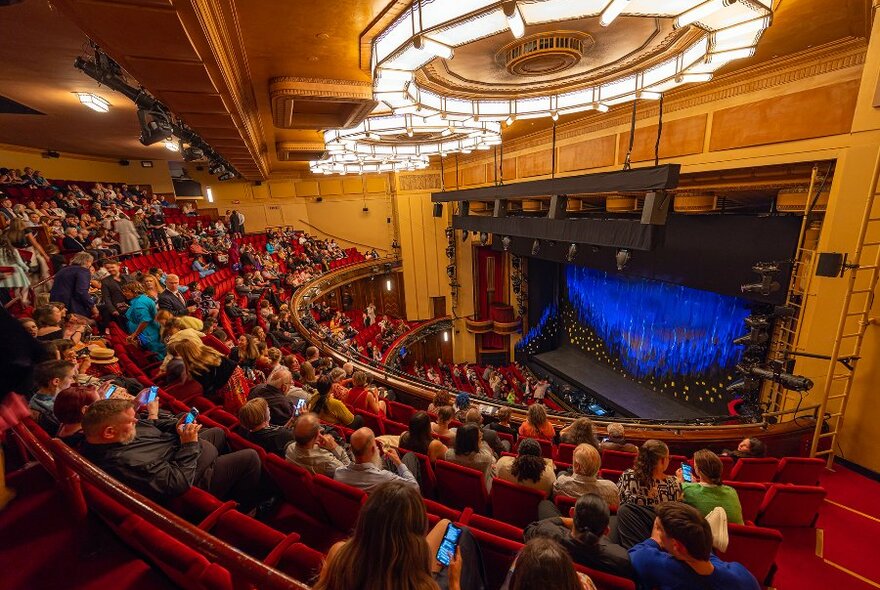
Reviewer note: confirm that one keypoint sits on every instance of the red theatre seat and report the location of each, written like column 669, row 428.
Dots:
column 751, row 496
column 427, row 477
column 755, row 547
column 297, row 485
column 605, row 581
column 755, row 469
column 617, row 460
column 341, row 502
column 400, row 412
column 492, row 526
column 247, row 534
column 297, row 561
column 546, row 447
column 565, row 453
column 513, row 503
column 461, row 487
column 498, row 555
column 790, row 506
column 802, row 471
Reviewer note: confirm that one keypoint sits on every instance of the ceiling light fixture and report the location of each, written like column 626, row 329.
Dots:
column 572, row 252
column 171, row 145
column 93, row 101
column 514, row 19
column 612, row 11
column 723, row 30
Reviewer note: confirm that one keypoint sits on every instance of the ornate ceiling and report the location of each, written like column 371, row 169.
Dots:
column 262, row 79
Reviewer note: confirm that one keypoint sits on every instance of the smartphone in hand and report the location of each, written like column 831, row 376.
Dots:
column 687, row 473
column 191, row 416
column 449, row 544
column 110, row 390
column 147, row 395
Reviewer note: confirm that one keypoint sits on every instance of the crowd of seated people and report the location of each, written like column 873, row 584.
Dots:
column 287, row 400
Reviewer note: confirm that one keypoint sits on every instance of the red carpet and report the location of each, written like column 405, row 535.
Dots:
column 40, row 549
column 850, row 540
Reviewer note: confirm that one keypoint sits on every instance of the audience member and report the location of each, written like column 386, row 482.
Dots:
column 164, row 458
column 254, row 418
column 141, row 317
column 330, row 409
column 528, row 468
column 71, row 286
column 50, row 377
column 274, row 391
column 389, row 548
column 584, row 536
column 367, row 472
column 678, row 555
column 544, row 563
column 362, row 396
column 586, row 464
column 69, row 408
column 536, row 424
column 314, row 451
column 172, row 299
column 647, row 483
column 707, row 492
column 748, row 448
column 441, row 427
column 502, row 423
column 418, row 437
column 469, row 450
column 578, row 432
column 616, row 440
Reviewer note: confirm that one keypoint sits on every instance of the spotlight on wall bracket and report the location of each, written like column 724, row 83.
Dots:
column 226, row 176
column 572, row 252
column 464, row 235
column 622, row 258
column 505, row 243
column 536, row 247
column 484, row 238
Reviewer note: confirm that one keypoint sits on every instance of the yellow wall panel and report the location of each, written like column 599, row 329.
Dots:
column 473, row 175
column 307, row 188
column 680, row 137
column 536, row 164
column 331, row 186
column 353, row 185
column 583, row 155
column 376, row 183
column 281, row 189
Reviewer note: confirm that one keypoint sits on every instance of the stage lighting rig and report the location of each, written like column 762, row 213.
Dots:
column 536, row 247
column 226, row 176
column 484, row 239
column 155, row 126
column 768, row 272
column 192, row 153
column 572, row 252
column 216, row 168
column 622, row 258
column 505, row 243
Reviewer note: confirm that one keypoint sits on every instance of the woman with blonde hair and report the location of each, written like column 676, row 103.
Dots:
column 222, row 380
column 307, row 370
column 338, row 390
column 537, row 425
column 389, row 553
column 152, row 288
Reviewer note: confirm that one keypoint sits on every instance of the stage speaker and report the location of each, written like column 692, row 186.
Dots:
column 438, row 209
column 830, row 264
column 656, row 208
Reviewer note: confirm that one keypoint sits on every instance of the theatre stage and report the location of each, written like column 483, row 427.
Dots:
column 629, row 398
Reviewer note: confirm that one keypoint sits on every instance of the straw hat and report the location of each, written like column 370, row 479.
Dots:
column 102, row 356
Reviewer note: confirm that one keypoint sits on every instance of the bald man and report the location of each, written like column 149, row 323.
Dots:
column 367, row 471
column 313, row 451
column 171, row 298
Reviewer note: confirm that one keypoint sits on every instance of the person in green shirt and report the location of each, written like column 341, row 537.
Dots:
column 707, row 492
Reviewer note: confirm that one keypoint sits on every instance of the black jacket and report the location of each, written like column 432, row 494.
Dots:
column 168, row 301
column 111, row 294
column 280, row 406
column 155, row 463
column 605, row 556
column 274, row 439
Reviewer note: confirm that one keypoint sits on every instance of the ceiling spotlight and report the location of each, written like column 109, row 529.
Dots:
column 216, row 168
column 171, row 145
column 226, row 176
column 612, row 11
column 484, row 238
column 155, row 126
column 514, row 19
column 505, row 243
column 572, row 252
column 622, row 257
column 536, row 247
column 193, row 153
column 464, row 235
column 93, row 101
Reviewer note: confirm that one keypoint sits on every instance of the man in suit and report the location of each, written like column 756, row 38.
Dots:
column 172, row 299
column 71, row 241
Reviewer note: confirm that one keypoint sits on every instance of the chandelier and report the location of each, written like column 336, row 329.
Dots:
column 393, row 142
column 716, row 32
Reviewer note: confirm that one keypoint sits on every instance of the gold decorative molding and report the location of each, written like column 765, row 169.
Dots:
column 300, row 151
column 221, row 30
column 418, row 182
column 354, row 101
column 391, row 12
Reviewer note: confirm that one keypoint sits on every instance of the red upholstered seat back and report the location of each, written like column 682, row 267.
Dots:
column 342, row 503
column 751, row 496
column 754, row 547
column 605, row 581
column 803, row 471
column 788, row 505
column 513, row 503
column 498, row 555
column 565, row 453
column 461, row 487
column 299, row 562
column 296, row 483
column 755, row 469
column 617, row 460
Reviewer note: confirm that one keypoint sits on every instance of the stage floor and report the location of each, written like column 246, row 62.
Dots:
column 629, row 398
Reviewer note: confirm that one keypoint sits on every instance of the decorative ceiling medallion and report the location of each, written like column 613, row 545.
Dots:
column 429, row 30
column 310, row 103
column 544, row 53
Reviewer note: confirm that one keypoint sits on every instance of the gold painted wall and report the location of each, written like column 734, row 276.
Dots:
column 79, row 167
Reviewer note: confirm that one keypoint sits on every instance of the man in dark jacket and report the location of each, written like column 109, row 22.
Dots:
column 162, row 459
column 274, row 391
column 171, row 298
column 71, row 286
column 114, row 302
column 584, row 536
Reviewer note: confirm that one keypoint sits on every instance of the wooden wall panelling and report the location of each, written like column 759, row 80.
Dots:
column 471, row 175
column 331, row 186
column 681, row 137
column 307, row 188
column 450, row 180
column 535, row 164
column 281, row 189
column 504, row 169
column 818, row 112
column 583, row 155
column 376, row 184
column 353, row 186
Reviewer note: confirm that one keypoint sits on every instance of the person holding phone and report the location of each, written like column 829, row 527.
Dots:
column 389, row 548
column 705, row 491
column 163, row 458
